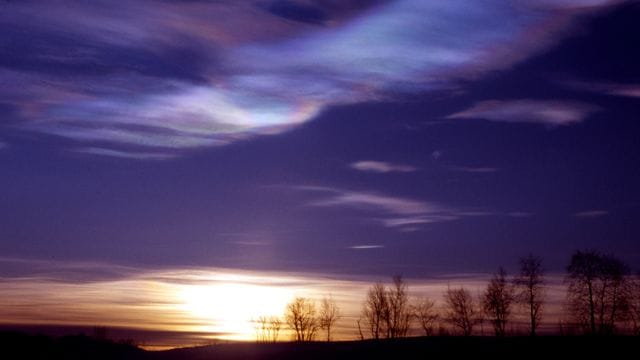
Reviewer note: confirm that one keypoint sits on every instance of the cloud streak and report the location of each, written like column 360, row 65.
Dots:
column 590, row 214
column 381, row 167
column 549, row 113
column 169, row 76
column 366, row 247
column 613, row 89
column 403, row 214
column 125, row 154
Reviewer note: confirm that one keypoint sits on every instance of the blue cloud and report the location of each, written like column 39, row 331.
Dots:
column 169, row 77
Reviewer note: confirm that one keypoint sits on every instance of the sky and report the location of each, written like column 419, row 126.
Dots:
column 347, row 140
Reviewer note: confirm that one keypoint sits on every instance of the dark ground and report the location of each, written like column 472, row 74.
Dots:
column 22, row 346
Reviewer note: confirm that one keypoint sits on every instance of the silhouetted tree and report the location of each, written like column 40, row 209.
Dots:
column 375, row 310
column 268, row 329
column 360, row 333
column 634, row 304
column 497, row 300
column 531, row 291
column 462, row 311
column 598, row 291
column 398, row 314
column 425, row 313
column 386, row 312
column 329, row 314
column 301, row 318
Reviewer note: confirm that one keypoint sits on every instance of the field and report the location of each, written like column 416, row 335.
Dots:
column 82, row 347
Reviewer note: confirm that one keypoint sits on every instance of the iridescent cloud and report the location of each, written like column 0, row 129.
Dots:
column 193, row 74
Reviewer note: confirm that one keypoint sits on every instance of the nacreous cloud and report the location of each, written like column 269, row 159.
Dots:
column 160, row 77
column 550, row 113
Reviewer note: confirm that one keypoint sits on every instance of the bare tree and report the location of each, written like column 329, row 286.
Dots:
column 462, row 311
column 497, row 300
column 386, row 312
column 329, row 314
column 531, row 289
column 375, row 310
column 301, row 318
column 360, row 329
column 398, row 314
column 425, row 313
column 598, row 294
column 268, row 329
column 634, row 304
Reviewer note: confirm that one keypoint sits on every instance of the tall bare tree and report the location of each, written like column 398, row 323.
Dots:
column 531, row 289
column 301, row 318
column 268, row 329
column 425, row 313
column 497, row 300
column 329, row 314
column 598, row 294
column 398, row 314
column 374, row 311
column 386, row 312
column 462, row 312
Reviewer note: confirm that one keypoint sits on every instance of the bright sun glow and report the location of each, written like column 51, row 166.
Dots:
column 230, row 308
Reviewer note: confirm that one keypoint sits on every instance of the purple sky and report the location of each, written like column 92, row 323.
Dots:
column 353, row 137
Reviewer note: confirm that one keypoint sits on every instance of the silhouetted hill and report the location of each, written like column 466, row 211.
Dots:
column 419, row 348
column 15, row 345
column 81, row 347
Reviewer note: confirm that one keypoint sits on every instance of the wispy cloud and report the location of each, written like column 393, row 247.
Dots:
column 124, row 154
column 381, row 166
column 550, row 113
column 614, row 89
column 3, row 145
column 76, row 271
column 179, row 75
column 372, row 201
column 390, row 211
column 366, row 247
column 589, row 214
column 520, row 214
column 252, row 243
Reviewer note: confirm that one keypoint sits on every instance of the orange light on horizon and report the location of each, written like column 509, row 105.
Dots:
column 205, row 304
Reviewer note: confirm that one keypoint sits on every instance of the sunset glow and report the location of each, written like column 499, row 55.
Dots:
column 203, row 173
column 231, row 308
column 199, row 305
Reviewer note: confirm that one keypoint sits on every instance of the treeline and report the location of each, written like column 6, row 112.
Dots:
column 602, row 298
